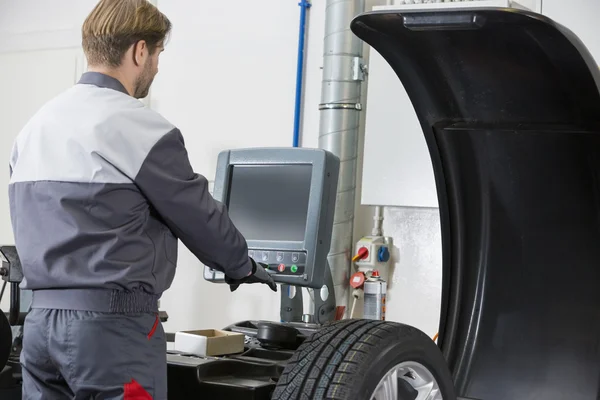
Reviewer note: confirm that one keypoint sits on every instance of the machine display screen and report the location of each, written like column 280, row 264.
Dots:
column 270, row 202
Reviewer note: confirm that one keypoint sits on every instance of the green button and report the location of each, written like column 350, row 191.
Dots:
column 294, row 269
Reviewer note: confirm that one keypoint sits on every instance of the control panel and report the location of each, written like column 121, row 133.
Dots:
column 282, row 201
column 292, row 263
column 281, row 262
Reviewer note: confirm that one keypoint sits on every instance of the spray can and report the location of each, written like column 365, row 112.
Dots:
column 375, row 291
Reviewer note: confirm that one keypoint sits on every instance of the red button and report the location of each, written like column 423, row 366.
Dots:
column 281, row 267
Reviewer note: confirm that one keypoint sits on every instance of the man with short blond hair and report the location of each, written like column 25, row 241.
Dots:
column 101, row 189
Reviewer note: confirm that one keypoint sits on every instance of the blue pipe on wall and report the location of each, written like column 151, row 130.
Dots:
column 304, row 6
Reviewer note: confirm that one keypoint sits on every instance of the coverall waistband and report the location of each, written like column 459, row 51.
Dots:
column 96, row 300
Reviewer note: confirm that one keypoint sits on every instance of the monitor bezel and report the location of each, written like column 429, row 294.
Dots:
column 321, row 204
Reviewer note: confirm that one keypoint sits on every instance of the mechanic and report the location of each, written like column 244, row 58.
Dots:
column 101, row 189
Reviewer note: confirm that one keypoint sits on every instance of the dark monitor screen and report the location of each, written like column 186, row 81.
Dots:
column 252, row 190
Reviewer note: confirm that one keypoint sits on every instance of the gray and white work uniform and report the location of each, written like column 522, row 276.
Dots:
column 101, row 188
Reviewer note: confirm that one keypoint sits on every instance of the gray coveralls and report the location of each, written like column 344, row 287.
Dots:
column 101, row 189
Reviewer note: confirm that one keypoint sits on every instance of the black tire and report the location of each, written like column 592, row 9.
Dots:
column 347, row 359
column 5, row 340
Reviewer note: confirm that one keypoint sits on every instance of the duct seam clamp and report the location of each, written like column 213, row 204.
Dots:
column 341, row 106
column 359, row 69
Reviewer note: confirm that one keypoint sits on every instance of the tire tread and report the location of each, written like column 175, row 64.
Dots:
column 334, row 346
column 329, row 363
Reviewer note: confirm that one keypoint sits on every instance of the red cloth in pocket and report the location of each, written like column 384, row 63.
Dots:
column 135, row 391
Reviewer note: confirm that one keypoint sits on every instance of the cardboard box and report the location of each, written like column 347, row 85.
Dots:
column 209, row 342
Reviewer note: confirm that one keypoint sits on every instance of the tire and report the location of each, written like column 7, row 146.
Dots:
column 347, row 359
column 5, row 340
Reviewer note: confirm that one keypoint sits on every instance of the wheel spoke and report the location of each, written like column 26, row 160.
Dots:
column 416, row 375
column 388, row 387
column 427, row 388
column 393, row 385
column 435, row 395
column 426, row 392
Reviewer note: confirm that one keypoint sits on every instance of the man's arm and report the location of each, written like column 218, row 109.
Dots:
column 182, row 199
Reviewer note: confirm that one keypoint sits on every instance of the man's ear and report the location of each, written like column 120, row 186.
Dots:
column 140, row 52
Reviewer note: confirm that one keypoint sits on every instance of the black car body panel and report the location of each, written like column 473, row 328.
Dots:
column 509, row 104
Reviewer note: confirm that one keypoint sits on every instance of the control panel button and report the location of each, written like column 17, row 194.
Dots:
column 281, row 267
column 294, row 268
column 278, row 256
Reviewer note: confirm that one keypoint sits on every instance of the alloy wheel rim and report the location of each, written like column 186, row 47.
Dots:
column 416, row 375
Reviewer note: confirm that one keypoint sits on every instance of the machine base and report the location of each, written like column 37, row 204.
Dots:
column 251, row 375
column 10, row 382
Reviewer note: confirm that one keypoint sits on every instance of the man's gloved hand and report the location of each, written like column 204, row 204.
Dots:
column 259, row 275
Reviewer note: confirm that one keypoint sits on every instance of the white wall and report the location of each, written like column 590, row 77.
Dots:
column 35, row 24
column 580, row 16
column 227, row 80
column 39, row 58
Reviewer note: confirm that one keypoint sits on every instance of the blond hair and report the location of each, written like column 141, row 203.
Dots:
column 114, row 25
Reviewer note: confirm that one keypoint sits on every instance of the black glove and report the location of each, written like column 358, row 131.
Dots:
column 259, row 275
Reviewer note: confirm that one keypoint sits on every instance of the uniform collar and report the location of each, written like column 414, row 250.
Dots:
column 103, row 81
